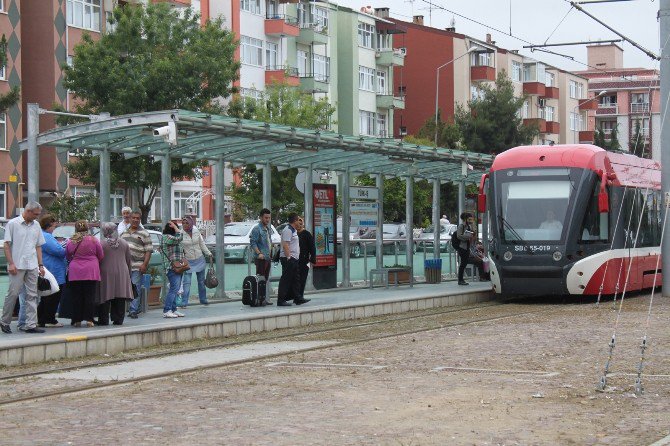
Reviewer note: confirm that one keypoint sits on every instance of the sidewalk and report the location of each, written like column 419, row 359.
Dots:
column 229, row 319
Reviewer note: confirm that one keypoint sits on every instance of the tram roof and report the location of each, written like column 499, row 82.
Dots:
column 240, row 142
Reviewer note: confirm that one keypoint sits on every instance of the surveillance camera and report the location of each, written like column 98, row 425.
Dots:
column 168, row 132
column 162, row 131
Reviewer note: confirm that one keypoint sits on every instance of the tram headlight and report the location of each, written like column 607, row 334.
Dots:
column 507, row 256
column 558, row 255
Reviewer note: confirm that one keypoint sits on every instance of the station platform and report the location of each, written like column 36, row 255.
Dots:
column 230, row 318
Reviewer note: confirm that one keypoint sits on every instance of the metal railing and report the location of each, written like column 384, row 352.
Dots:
column 319, row 77
column 639, row 107
column 289, row 71
column 288, row 19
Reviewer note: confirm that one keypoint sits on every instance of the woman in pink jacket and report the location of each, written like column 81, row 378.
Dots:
column 84, row 253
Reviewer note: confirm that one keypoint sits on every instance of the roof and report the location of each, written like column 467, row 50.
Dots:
column 215, row 137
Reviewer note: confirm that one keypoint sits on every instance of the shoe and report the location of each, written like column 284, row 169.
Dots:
column 35, row 330
column 117, row 323
column 301, row 301
column 169, row 315
column 178, row 313
column 204, row 303
column 267, row 302
column 53, row 325
column 77, row 324
column 21, row 328
column 132, row 315
column 5, row 329
column 284, row 303
column 463, row 282
column 181, row 306
column 90, row 324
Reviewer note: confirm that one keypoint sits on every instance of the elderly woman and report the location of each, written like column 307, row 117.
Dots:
column 53, row 256
column 84, row 253
column 172, row 253
column 195, row 251
column 115, row 286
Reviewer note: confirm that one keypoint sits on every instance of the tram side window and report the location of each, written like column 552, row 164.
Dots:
column 596, row 225
column 648, row 211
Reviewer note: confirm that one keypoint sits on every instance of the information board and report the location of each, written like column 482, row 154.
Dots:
column 324, row 224
column 363, row 214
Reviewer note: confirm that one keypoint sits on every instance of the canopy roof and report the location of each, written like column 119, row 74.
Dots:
column 240, row 142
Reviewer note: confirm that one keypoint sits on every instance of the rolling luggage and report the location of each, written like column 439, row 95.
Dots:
column 253, row 291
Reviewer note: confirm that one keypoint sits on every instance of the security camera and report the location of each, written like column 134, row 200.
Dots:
column 168, row 133
column 162, row 131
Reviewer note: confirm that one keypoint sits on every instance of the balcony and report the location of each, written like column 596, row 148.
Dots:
column 551, row 93
column 282, row 75
column 388, row 101
column 541, row 123
column 312, row 33
column 553, row 127
column 534, row 88
column 278, row 25
column 586, row 136
column 482, row 73
column 390, row 57
column 607, row 110
column 639, row 107
column 314, row 83
column 588, row 104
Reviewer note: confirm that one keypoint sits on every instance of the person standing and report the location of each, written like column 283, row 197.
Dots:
column 53, row 255
column 195, row 252
column 84, row 253
column 260, row 242
column 172, row 252
column 306, row 259
column 464, row 233
column 290, row 253
column 115, row 270
column 444, row 221
column 139, row 241
column 23, row 250
column 126, row 213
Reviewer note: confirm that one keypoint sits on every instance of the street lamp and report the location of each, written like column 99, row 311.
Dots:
column 437, row 82
column 574, row 113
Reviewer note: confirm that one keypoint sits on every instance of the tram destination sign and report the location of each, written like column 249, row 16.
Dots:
column 363, row 193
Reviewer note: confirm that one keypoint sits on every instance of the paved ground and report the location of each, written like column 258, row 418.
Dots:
column 517, row 380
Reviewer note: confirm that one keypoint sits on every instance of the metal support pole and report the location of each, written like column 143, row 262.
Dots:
column 664, row 15
column 379, row 241
column 105, row 172
column 309, row 217
column 33, row 154
column 409, row 212
column 461, row 189
column 436, row 220
column 220, row 213
column 267, row 186
column 166, row 187
column 346, row 249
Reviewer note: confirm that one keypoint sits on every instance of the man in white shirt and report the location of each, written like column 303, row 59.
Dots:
column 23, row 249
column 289, row 285
column 123, row 226
column 551, row 222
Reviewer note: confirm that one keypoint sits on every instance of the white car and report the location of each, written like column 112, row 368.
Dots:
column 427, row 235
column 236, row 240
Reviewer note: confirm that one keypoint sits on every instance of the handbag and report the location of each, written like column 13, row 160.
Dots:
column 210, row 279
column 43, row 284
column 178, row 266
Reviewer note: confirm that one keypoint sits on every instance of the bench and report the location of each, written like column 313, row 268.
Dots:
column 384, row 272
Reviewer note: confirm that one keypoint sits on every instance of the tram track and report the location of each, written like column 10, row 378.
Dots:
column 341, row 343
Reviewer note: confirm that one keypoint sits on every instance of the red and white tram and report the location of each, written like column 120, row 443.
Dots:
column 552, row 220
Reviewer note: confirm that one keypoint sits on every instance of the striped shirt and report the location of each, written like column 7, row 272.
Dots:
column 140, row 243
column 171, row 250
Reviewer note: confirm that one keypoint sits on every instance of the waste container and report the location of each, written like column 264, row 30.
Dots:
column 433, row 270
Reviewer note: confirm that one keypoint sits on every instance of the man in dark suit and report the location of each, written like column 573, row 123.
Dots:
column 307, row 257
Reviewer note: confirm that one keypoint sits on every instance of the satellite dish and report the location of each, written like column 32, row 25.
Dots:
column 300, row 179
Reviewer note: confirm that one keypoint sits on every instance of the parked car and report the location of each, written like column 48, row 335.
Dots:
column 391, row 231
column 236, row 240
column 427, row 236
column 66, row 230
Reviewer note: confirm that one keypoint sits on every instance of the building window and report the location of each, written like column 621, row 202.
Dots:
column 271, row 56
column 480, row 59
column 2, row 73
column 573, row 120
column 366, row 32
column 321, row 68
column 580, row 90
column 476, row 93
column 251, row 93
column 516, row 71
column 2, row 8
column 252, row 6
column 367, row 124
column 3, row 131
column 526, row 110
column 381, row 125
column 573, row 89
column 272, row 9
column 549, row 113
column 366, row 78
column 84, row 14
column 252, row 51
column 319, row 18
column 79, row 192
column 303, row 68
column 402, row 90
column 383, row 41
column 156, row 208
column 607, row 127
column 116, row 203
column 381, row 82
column 644, row 126
column 183, row 206
column 549, row 80
column 3, row 200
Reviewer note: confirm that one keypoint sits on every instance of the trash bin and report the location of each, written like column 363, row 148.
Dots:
column 433, row 270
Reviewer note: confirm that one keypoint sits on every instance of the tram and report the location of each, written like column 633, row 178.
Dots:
column 570, row 219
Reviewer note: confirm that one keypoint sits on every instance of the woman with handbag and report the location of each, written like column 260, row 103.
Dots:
column 175, row 265
column 84, row 253
column 195, row 252
column 115, row 269
column 53, row 257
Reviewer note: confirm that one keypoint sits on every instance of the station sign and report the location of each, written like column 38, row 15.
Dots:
column 363, row 193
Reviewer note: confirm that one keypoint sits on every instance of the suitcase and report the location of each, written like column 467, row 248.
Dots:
column 253, row 291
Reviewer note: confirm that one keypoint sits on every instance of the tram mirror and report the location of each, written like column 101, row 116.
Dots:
column 481, row 203
column 603, row 202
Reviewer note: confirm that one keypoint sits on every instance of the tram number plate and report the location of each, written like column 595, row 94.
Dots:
column 533, row 248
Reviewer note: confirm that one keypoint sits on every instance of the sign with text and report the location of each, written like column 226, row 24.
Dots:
column 363, row 193
column 324, row 224
column 363, row 214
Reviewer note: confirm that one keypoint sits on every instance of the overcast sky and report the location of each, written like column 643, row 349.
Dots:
column 535, row 21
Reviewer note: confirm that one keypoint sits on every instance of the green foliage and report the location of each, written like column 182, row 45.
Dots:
column 637, row 142
column 600, row 140
column 448, row 133
column 614, row 145
column 67, row 209
column 153, row 60
column 395, row 192
column 492, row 124
column 13, row 96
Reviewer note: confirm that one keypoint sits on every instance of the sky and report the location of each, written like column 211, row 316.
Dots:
column 540, row 21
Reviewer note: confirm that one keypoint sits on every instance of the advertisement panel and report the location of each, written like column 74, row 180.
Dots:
column 324, row 224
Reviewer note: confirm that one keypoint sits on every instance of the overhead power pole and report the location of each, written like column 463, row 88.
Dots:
column 664, row 16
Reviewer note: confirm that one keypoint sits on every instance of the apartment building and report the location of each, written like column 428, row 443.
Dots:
column 621, row 98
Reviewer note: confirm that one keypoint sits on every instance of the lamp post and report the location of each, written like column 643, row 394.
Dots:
column 574, row 113
column 437, row 83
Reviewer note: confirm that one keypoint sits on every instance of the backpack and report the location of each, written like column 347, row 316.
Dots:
column 455, row 242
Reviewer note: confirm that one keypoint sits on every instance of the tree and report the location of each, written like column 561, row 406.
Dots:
column 154, row 59
column 614, row 145
column 492, row 124
column 599, row 138
column 448, row 133
column 68, row 208
column 280, row 104
column 637, row 142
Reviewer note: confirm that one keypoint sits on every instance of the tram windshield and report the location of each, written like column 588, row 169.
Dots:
column 535, row 209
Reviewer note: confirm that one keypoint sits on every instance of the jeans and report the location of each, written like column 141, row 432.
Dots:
column 463, row 256
column 23, row 279
column 171, row 298
column 202, row 290
column 136, row 279
column 22, row 307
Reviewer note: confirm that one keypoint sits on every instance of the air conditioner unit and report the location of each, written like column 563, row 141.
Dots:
column 402, row 131
column 541, row 102
column 403, row 51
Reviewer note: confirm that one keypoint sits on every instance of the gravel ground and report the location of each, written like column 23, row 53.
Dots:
column 519, row 380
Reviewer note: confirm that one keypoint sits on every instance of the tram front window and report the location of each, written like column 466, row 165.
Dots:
column 535, row 210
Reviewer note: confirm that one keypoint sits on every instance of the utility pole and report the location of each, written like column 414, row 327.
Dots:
column 664, row 16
